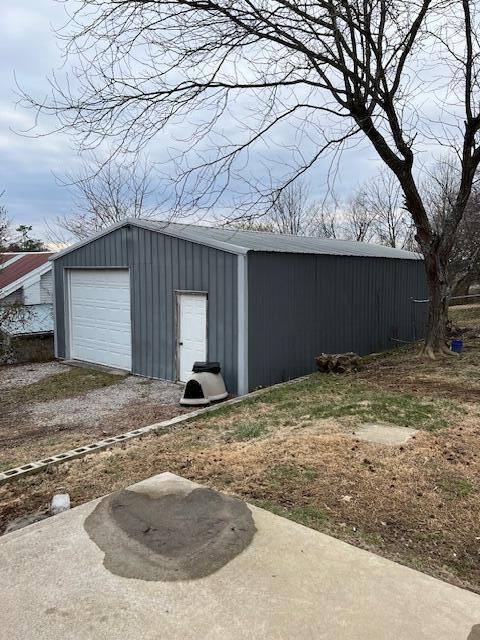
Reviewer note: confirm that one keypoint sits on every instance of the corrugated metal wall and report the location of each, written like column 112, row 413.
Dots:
column 159, row 265
column 301, row 305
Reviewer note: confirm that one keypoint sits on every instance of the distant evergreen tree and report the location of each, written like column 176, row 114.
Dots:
column 24, row 243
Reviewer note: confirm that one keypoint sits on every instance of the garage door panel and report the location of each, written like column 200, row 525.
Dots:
column 102, row 334
column 112, row 297
column 107, row 317
column 100, row 317
column 107, row 357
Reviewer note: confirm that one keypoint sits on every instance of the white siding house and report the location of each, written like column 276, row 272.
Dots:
column 27, row 278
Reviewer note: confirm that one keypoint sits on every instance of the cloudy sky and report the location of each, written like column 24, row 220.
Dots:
column 30, row 165
column 28, row 52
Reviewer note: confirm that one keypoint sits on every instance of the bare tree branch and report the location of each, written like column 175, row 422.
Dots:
column 105, row 192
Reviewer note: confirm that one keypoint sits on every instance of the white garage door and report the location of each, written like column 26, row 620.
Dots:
column 100, row 328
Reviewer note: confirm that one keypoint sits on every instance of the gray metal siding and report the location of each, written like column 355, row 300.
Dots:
column 159, row 266
column 302, row 305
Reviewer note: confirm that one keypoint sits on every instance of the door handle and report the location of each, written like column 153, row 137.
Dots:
column 180, row 344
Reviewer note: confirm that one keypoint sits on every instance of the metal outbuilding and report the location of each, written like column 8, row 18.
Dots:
column 153, row 297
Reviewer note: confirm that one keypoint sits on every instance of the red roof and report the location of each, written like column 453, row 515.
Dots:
column 5, row 257
column 21, row 267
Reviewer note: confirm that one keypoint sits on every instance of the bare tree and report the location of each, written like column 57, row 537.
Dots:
column 333, row 70
column 4, row 227
column 358, row 219
column 105, row 192
column 325, row 223
column 464, row 263
column 382, row 198
column 371, row 215
column 440, row 192
column 248, row 223
column 292, row 211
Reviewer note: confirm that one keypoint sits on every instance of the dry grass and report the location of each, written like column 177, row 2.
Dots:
column 292, row 451
column 465, row 315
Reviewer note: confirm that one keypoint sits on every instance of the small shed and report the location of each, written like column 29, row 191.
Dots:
column 154, row 297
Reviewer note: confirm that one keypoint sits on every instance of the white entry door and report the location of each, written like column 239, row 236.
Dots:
column 100, row 326
column 192, row 332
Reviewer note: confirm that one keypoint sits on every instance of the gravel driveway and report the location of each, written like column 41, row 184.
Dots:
column 49, row 407
column 22, row 375
column 95, row 406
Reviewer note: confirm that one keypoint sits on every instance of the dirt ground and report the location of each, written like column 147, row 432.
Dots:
column 48, row 408
column 294, row 451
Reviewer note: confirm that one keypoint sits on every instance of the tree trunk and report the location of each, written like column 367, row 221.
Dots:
column 436, row 330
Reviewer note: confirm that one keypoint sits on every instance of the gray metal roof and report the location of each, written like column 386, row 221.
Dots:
column 242, row 242
column 264, row 241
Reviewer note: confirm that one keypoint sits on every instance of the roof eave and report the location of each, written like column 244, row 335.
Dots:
column 413, row 256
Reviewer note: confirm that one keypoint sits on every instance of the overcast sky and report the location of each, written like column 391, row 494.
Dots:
column 29, row 52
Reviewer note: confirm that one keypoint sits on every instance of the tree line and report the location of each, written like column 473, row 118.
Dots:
column 108, row 191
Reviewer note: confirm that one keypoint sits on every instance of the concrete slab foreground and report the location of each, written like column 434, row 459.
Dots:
column 210, row 568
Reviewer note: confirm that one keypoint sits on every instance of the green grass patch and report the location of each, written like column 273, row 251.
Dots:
column 248, row 430
column 75, row 382
column 323, row 396
column 229, row 410
column 456, row 487
column 9, row 463
column 332, row 396
column 370, row 538
column 281, row 473
column 308, row 515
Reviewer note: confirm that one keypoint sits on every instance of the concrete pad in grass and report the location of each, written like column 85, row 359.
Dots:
column 169, row 559
column 384, row 433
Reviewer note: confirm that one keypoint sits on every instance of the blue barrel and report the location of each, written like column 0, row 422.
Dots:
column 457, row 346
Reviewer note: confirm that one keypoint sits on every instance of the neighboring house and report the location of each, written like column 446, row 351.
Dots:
column 152, row 298
column 26, row 280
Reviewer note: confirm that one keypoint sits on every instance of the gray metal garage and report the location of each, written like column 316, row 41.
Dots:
column 153, row 297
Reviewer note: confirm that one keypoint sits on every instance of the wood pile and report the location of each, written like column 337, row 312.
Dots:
column 337, row 362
